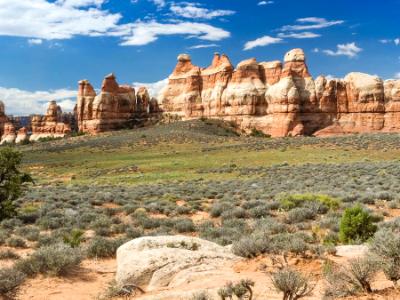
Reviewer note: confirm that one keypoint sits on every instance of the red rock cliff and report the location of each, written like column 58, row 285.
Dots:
column 282, row 99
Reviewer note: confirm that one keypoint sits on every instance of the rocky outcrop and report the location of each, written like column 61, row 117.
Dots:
column 154, row 263
column 50, row 125
column 282, row 99
column 115, row 107
column 22, row 136
column 9, row 135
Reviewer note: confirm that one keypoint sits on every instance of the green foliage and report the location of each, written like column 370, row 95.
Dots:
column 74, row 238
column 258, row 133
column 356, row 225
column 288, row 202
column 102, row 247
column 12, row 181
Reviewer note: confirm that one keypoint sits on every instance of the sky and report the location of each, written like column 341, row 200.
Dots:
column 47, row 46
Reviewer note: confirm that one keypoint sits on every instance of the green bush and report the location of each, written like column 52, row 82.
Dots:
column 74, row 238
column 102, row 247
column 356, row 225
column 293, row 284
column 288, row 202
column 53, row 260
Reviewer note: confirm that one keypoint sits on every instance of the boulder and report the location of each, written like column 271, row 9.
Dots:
column 160, row 262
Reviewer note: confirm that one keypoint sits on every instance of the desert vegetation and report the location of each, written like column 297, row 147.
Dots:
column 297, row 197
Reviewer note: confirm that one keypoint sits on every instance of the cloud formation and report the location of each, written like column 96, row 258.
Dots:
column 311, row 23
column 299, row 35
column 65, row 19
column 203, row 46
column 153, row 88
column 143, row 33
column 262, row 41
column 193, row 11
column 20, row 102
column 263, row 3
column 350, row 50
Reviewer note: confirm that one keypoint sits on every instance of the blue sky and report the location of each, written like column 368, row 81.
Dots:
column 46, row 46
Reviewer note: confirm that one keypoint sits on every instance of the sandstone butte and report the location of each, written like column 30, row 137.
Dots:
column 282, row 99
column 115, row 107
column 54, row 124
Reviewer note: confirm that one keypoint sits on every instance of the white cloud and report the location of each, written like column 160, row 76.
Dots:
column 350, row 50
column 59, row 20
column 311, row 23
column 65, row 19
column 153, row 88
column 193, row 11
column 299, row 35
column 35, row 41
column 202, row 46
column 397, row 75
column 143, row 33
column 388, row 41
column 263, row 41
column 158, row 3
column 263, row 3
column 315, row 50
column 80, row 3
column 20, row 102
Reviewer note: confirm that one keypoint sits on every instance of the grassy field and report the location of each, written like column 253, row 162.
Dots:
column 179, row 151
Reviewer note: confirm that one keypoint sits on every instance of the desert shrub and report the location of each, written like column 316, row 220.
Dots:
column 8, row 254
column 331, row 239
column 29, row 213
column 350, row 280
column 10, row 279
column 356, row 225
column 30, row 233
column 133, row 233
column 386, row 245
column 288, row 202
column 184, row 225
column 16, row 242
column 74, row 238
column 201, row 296
column 300, row 214
column 102, row 226
column 218, row 208
column 102, row 247
column 54, row 260
column 242, row 290
column 292, row 284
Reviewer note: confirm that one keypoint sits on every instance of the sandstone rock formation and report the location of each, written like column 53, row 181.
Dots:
column 115, row 107
column 153, row 263
column 51, row 125
column 9, row 135
column 282, row 99
column 22, row 136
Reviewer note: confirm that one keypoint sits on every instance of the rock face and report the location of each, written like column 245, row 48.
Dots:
column 22, row 136
column 115, row 107
column 160, row 262
column 9, row 135
column 282, row 99
column 51, row 125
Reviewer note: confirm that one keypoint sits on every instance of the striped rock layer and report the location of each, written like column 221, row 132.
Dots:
column 282, row 99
